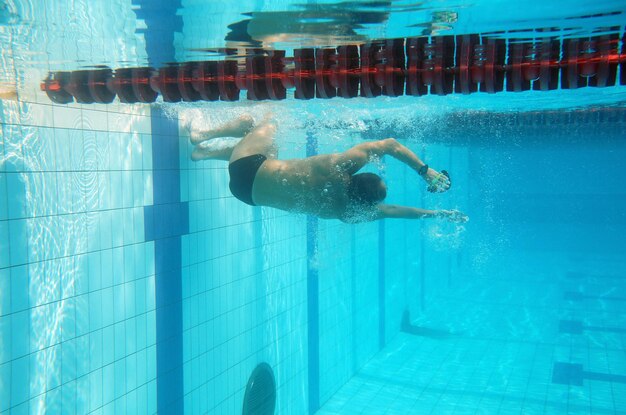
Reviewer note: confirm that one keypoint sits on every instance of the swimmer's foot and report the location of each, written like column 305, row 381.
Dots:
column 238, row 127
column 437, row 182
column 8, row 91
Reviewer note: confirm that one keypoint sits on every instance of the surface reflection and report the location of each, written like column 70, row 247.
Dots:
column 330, row 24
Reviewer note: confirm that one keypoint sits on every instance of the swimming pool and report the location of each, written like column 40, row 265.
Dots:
column 132, row 281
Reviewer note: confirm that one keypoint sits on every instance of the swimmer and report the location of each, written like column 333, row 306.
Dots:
column 327, row 185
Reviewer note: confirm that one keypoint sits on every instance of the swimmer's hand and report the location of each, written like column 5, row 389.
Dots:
column 437, row 182
column 453, row 216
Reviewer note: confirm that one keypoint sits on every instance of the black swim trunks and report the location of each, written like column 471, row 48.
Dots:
column 242, row 173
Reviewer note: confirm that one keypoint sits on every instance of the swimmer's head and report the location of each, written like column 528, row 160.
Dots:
column 366, row 189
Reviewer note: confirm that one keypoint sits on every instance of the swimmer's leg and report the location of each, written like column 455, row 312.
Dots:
column 205, row 153
column 238, row 127
column 259, row 141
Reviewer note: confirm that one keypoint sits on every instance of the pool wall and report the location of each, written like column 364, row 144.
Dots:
column 78, row 276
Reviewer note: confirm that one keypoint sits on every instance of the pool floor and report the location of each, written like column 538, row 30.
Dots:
column 546, row 339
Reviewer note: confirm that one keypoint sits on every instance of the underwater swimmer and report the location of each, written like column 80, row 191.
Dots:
column 327, row 186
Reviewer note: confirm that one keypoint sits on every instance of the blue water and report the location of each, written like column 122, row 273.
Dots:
column 132, row 282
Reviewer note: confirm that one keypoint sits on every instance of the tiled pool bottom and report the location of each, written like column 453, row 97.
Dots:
column 532, row 347
column 417, row 375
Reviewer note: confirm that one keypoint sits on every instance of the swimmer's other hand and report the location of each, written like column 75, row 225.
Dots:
column 453, row 216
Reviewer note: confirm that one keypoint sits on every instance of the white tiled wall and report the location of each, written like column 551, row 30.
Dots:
column 77, row 315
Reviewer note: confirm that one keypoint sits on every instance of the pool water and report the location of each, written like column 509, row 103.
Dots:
column 132, row 281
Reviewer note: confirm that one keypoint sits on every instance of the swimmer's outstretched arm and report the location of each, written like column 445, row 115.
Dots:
column 384, row 211
column 358, row 156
